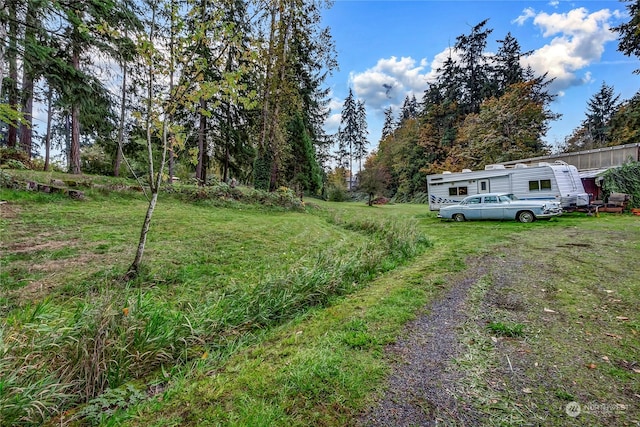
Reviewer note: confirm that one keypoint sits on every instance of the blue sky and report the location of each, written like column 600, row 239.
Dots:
column 402, row 43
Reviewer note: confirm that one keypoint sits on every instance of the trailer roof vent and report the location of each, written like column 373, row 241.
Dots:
column 466, row 170
column 520, row 166
column 492, row 167
column 446, row 173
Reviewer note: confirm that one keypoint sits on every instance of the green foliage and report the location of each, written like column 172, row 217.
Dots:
column 103, row 407
column 629, row 39
column 262, row 172
column 10, row 115
column 624, row 179
column 11, row 158
column 625, row 122
column 507, row 330
column 482, row 108
column 336, row 186
column 303, row 169
column 95, row 160
column 507, row 128
column 221, row 192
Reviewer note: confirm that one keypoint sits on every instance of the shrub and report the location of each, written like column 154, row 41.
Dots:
column 11, row 158
column 624, row 179
column 96, row 161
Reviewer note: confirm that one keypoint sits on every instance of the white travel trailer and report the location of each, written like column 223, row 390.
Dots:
column 557, row 181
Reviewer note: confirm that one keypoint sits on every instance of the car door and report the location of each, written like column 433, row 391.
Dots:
column 492, row 208
column 473, row 208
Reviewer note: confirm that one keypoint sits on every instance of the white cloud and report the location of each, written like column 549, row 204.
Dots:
column 526, row 14
column 579, row 39
column 333, row 121
column 390, row 81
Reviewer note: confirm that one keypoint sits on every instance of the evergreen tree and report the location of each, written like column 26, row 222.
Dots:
column 474, row 67
column 349, row 133
column 600, row 109
column 409, row 109
column 629, row 36
column 507, row 128
column 304, row 173
column 360, row 149
column 297, row 50
column 389, row 123
column 625, row 122
column 507, row 68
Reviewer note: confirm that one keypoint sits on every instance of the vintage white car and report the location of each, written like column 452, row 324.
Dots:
column 500, row 206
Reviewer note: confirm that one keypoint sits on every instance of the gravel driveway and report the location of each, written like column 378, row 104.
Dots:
column 421, row 389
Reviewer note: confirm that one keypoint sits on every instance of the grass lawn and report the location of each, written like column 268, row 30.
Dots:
column 253, row 316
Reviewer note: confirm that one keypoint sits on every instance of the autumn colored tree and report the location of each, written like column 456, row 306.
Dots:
column 625, row 122
column 374, row 178
column 506, row 128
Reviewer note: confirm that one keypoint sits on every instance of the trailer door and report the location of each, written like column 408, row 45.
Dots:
column 483, row 186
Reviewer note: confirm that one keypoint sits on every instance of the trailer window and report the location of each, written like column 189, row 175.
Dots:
column 457, row 191
column 543, row 184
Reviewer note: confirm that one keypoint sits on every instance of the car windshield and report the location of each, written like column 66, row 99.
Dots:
column 506, row 198
column 511, row 196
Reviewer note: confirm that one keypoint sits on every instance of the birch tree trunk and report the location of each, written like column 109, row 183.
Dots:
column 154, row 179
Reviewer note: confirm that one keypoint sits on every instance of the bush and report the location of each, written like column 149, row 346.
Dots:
column 222, row 192
column 96, row 161
column 336, row 193
column 10, row 158
column 624, row 179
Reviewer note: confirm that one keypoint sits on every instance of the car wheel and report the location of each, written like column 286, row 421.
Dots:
column 458, row 217
column 526, row 216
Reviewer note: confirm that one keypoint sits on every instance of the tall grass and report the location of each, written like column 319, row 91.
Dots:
column 57, row 356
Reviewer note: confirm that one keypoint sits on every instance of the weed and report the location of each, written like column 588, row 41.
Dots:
column 563, row 395
column 506, row 330
column 103, row 407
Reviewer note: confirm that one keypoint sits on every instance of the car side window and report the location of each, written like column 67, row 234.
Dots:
column 491, row 199
column 474, row 201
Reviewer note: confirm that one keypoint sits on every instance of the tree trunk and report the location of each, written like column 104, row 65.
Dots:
column 27, row 81
column 135, row 266
column 154, row 180
column 201, row 168
column 12, row 57
column 3, row 36
column 225, row 169
column 74, row 155
column 47, row 138
column 27, row 112
column 74, row 159
column 172, row 162
column 123, row 100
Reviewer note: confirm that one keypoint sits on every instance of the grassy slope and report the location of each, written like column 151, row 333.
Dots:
column 324, row 369
column 326, row 365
